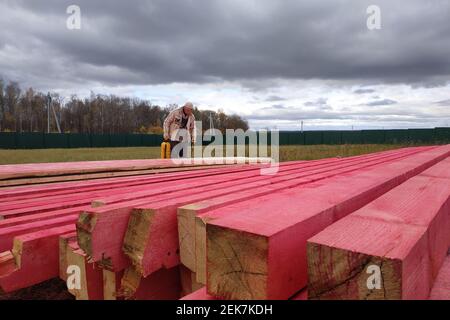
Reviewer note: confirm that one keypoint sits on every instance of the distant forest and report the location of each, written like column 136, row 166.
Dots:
column 26, row 111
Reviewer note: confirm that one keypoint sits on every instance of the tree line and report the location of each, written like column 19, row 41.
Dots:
column 26, row 111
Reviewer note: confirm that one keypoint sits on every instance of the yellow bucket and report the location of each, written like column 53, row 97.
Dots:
column 165, row 150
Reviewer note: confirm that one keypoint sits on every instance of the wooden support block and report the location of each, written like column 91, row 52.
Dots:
column 7, row 263
column 401, row 239
column 151, row 241
column 111, row 284
column 441, row 286
column 164, row 284
column 91, row 276
column 189, row 282
column 64, row 240
column 258, row 249
column 36, row 257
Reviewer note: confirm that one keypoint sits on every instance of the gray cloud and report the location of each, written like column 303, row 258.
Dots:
column 296, row 114
column 158, row 42
column 320, row 103
column 384, row 102
column 278, row 106
column 363, row 91
column 443, row 103
column 274, row 99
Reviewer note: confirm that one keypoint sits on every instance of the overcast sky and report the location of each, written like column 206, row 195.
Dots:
column 275, row 63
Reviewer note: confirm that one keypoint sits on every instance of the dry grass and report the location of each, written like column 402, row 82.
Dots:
column 287, row 153
column 313, row 152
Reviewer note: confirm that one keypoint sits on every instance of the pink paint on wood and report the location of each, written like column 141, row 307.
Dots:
column 162, row 244
column 29, row 191
column 302, row 295
column 7, row 234
column 407, row 226
column 200, row 294
column 85, row 196
column 162, row 285
column 441, row 286
column 40, row 217
column 60, row 168
column 113, row 218
column 39, row 258
column 7, row 263
column 94, row 278
column 287, row 219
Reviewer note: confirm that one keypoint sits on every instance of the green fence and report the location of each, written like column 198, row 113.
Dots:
column 13, row 140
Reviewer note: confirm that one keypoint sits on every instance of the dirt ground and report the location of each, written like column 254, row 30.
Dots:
column 54, row 289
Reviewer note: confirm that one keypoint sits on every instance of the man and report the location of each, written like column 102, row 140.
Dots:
column 181, row 118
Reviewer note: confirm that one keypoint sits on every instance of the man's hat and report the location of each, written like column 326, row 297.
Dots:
column 189, row 105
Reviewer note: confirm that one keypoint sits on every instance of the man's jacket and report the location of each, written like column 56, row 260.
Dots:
column 173, row 123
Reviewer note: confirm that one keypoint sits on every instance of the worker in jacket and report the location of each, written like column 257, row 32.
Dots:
column 181, row 118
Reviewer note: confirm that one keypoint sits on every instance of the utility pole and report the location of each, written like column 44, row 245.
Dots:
column 49, row 100
column 50, row 105
column 56, row 119
column 301, row 126
column 211, row 124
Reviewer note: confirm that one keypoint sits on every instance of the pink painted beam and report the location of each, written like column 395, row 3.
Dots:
column 152, row 241
column 162, row 285
column 7, row 263
column 64, row 168
column 94, row 225
column 40, row 217
column 441, row 286
column 193, row 217
column 302, row 295
column 200, row 294
column 7, row 234
column 139, row 183
column 258, row 249
column 37, row 258
column 40, row 205
column 403, row 237
column 26, row 192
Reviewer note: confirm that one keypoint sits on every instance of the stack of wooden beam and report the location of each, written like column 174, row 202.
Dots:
column 38, row 173
column 229, row 232
column 38, row 221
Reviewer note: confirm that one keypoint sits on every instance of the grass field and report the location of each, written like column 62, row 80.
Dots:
column 89, row 154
